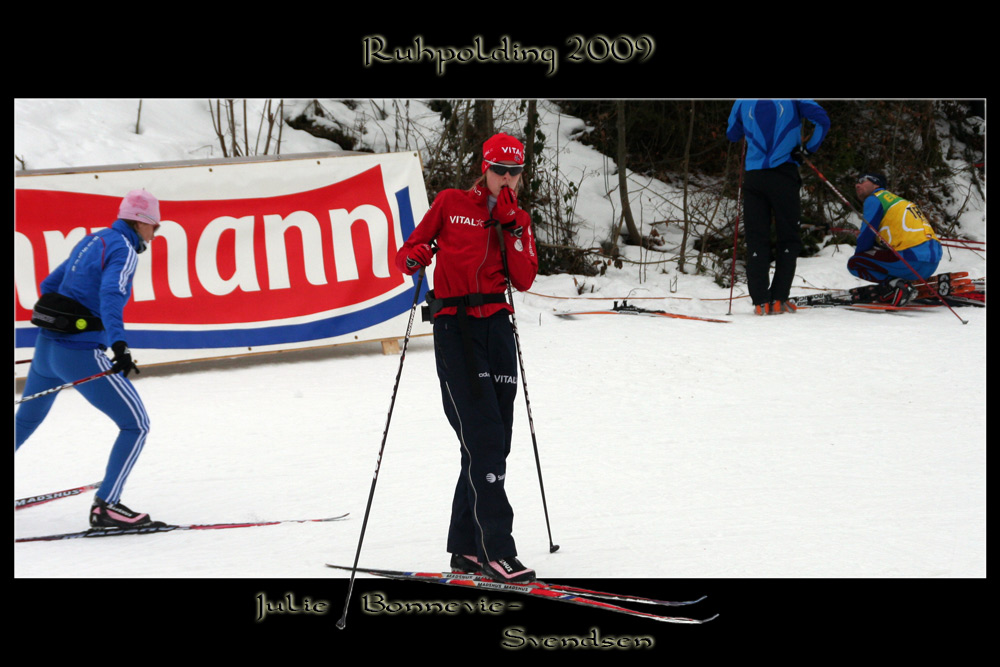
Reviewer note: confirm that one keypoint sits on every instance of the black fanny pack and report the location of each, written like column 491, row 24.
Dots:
column 435, row 305
column 60, row 313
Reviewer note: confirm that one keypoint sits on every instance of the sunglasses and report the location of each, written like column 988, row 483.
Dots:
column 504, row 169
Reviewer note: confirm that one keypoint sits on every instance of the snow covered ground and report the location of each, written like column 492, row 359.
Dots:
column 677, row 448
column 824, row 444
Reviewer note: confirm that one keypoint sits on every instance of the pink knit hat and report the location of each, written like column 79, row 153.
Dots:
column 502, row 147
column 140, row 206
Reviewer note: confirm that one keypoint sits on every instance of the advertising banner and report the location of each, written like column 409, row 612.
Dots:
column 252, row 255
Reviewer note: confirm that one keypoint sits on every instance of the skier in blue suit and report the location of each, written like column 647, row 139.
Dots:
column 774, row 151
column 80, row 312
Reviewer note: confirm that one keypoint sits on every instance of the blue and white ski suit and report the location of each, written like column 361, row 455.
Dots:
column 98, row 274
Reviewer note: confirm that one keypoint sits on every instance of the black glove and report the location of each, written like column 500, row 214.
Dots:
column 799, row 153
column 123, row 359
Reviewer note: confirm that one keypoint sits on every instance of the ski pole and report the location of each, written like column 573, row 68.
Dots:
column 736, row 230
column 63, row 386
column 524, row 381
column 875, row 232
column 385, row 434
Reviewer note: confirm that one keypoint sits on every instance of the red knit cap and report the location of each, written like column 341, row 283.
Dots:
column 502, row 148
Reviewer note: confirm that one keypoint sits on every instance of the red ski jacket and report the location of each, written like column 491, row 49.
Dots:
column 468, row 260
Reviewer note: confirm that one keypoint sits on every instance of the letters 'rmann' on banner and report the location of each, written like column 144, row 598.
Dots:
column 250, row 256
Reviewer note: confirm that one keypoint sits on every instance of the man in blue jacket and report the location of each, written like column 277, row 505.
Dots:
column 80, row 312
column 774, row 151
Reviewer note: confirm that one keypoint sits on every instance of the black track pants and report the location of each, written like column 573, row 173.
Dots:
column 766, row 192
column 481, row 517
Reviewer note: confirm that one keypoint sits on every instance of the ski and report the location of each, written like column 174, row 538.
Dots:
column 875, row 307
column 32, row 501
column 958, row 297
column 944, row 283
column 925, row 290
column 536, row 589
column 886, row 308
column 961, row 292
column 575, row 590
column 158, row 527
column 625, row 309
column 970, row 298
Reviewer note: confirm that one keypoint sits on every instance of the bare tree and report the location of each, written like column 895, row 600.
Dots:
column 217, row 125
column 687, row 178
column 529, row 153
column 233, row 132
column 633, row 232
column 481, row 129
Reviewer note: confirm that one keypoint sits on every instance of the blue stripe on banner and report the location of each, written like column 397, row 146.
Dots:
column 407, row 225
column 331, row 327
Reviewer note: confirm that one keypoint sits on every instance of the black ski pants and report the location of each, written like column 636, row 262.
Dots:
column 481, row 516
column 768, row 192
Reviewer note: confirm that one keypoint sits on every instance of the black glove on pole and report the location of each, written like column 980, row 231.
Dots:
column 122, row 359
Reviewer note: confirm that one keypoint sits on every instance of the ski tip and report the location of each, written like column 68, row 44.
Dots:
column 710, row 618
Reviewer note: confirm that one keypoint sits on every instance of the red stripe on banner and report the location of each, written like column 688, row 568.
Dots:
column 231, row 261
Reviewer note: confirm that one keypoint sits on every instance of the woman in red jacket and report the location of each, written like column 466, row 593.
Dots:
column 474, row 345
